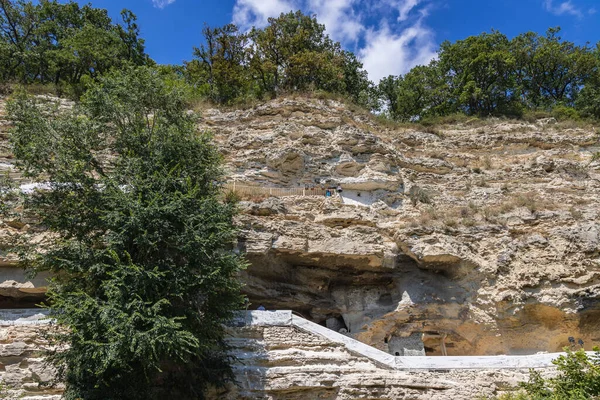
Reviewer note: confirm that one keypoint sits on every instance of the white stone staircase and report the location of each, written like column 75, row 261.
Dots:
column 287, row 318
column 381, row 358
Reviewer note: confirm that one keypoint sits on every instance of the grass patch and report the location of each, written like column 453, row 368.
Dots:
column 417, row 194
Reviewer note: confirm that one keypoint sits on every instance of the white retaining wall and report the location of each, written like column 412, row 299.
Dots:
column 24, row 316
column 36, row 316
column 286, row 318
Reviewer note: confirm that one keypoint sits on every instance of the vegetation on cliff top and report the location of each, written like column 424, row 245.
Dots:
column 67, row 45
column 47, row 42
column 489, row 74
column 292, row 53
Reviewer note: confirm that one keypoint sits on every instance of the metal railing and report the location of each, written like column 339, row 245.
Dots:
column 263, row 191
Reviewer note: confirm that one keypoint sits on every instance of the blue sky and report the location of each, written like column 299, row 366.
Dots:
column 389, row 36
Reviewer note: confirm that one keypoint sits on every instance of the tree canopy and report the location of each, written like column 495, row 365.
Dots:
column 51, row 42
column 292, row 53
column 486, row 74
column 141, row 249
column 489, row 74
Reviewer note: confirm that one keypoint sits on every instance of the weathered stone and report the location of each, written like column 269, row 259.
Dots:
column 499, row 258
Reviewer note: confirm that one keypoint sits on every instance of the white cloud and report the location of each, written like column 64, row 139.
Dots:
column 392, row 42
column 249, row 13
column 563, row 8
column 405, row 7
column 162, row 3
column 342, row 22
column 388, row 53
column 338, row 16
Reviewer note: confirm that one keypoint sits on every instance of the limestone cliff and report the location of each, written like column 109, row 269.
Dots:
column 483, row 232
column 478, row 238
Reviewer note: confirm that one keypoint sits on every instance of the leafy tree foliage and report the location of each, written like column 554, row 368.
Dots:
column 292, row 53
column 421, row 92
column 588, row 99
column 578, row 379
column 489, row 74
column 481, row 69
column 144, row 275
column 50, row 42
column 8, row 195
column 551, row 70
column 219, row 67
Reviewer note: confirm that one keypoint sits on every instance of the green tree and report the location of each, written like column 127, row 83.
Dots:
column 18, row 22
column 549, row 70
column 52, row 42
column 8, row 195
column 356, row 80
column 129, row 32
column 144, row 273
column 488, row 74
column 283, row 46
column 420, row 93
column 411, row 95
column 588, row 99
column 481, row 72
column 220, row 64
column 293, row 53
column 578, row 379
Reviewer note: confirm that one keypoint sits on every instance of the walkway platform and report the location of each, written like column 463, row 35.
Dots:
column 36, row 316
column 287, row 318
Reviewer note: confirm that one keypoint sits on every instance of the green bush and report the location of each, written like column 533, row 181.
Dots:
column 578, row 379
column 565, row 113
column 144, row 275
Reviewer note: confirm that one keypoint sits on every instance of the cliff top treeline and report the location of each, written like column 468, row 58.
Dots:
column 48, row 42
column 489, row 74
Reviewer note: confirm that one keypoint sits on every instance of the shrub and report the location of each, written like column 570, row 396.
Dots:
column 419, row 195
column 143, row 273
column 565, row 113
column 578, row 379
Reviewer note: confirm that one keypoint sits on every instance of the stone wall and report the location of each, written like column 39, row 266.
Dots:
column 286, row 362
column 281, row 356
column 24, row 374
column 407, row 346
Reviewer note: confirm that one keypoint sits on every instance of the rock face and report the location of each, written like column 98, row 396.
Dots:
column 474, row 239
column 23, row 371
column 295, row 142
column 484, row 235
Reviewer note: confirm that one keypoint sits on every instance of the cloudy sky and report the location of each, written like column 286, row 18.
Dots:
column 389, row 36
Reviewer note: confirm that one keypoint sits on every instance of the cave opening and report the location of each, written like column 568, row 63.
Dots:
column 337, row 324
column 10, row 302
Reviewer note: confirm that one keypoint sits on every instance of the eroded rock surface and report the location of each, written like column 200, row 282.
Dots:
column 24, row 373
column 495, row 248
column 480, row 239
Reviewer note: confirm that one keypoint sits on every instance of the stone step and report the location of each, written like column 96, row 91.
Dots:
column 383, row 359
